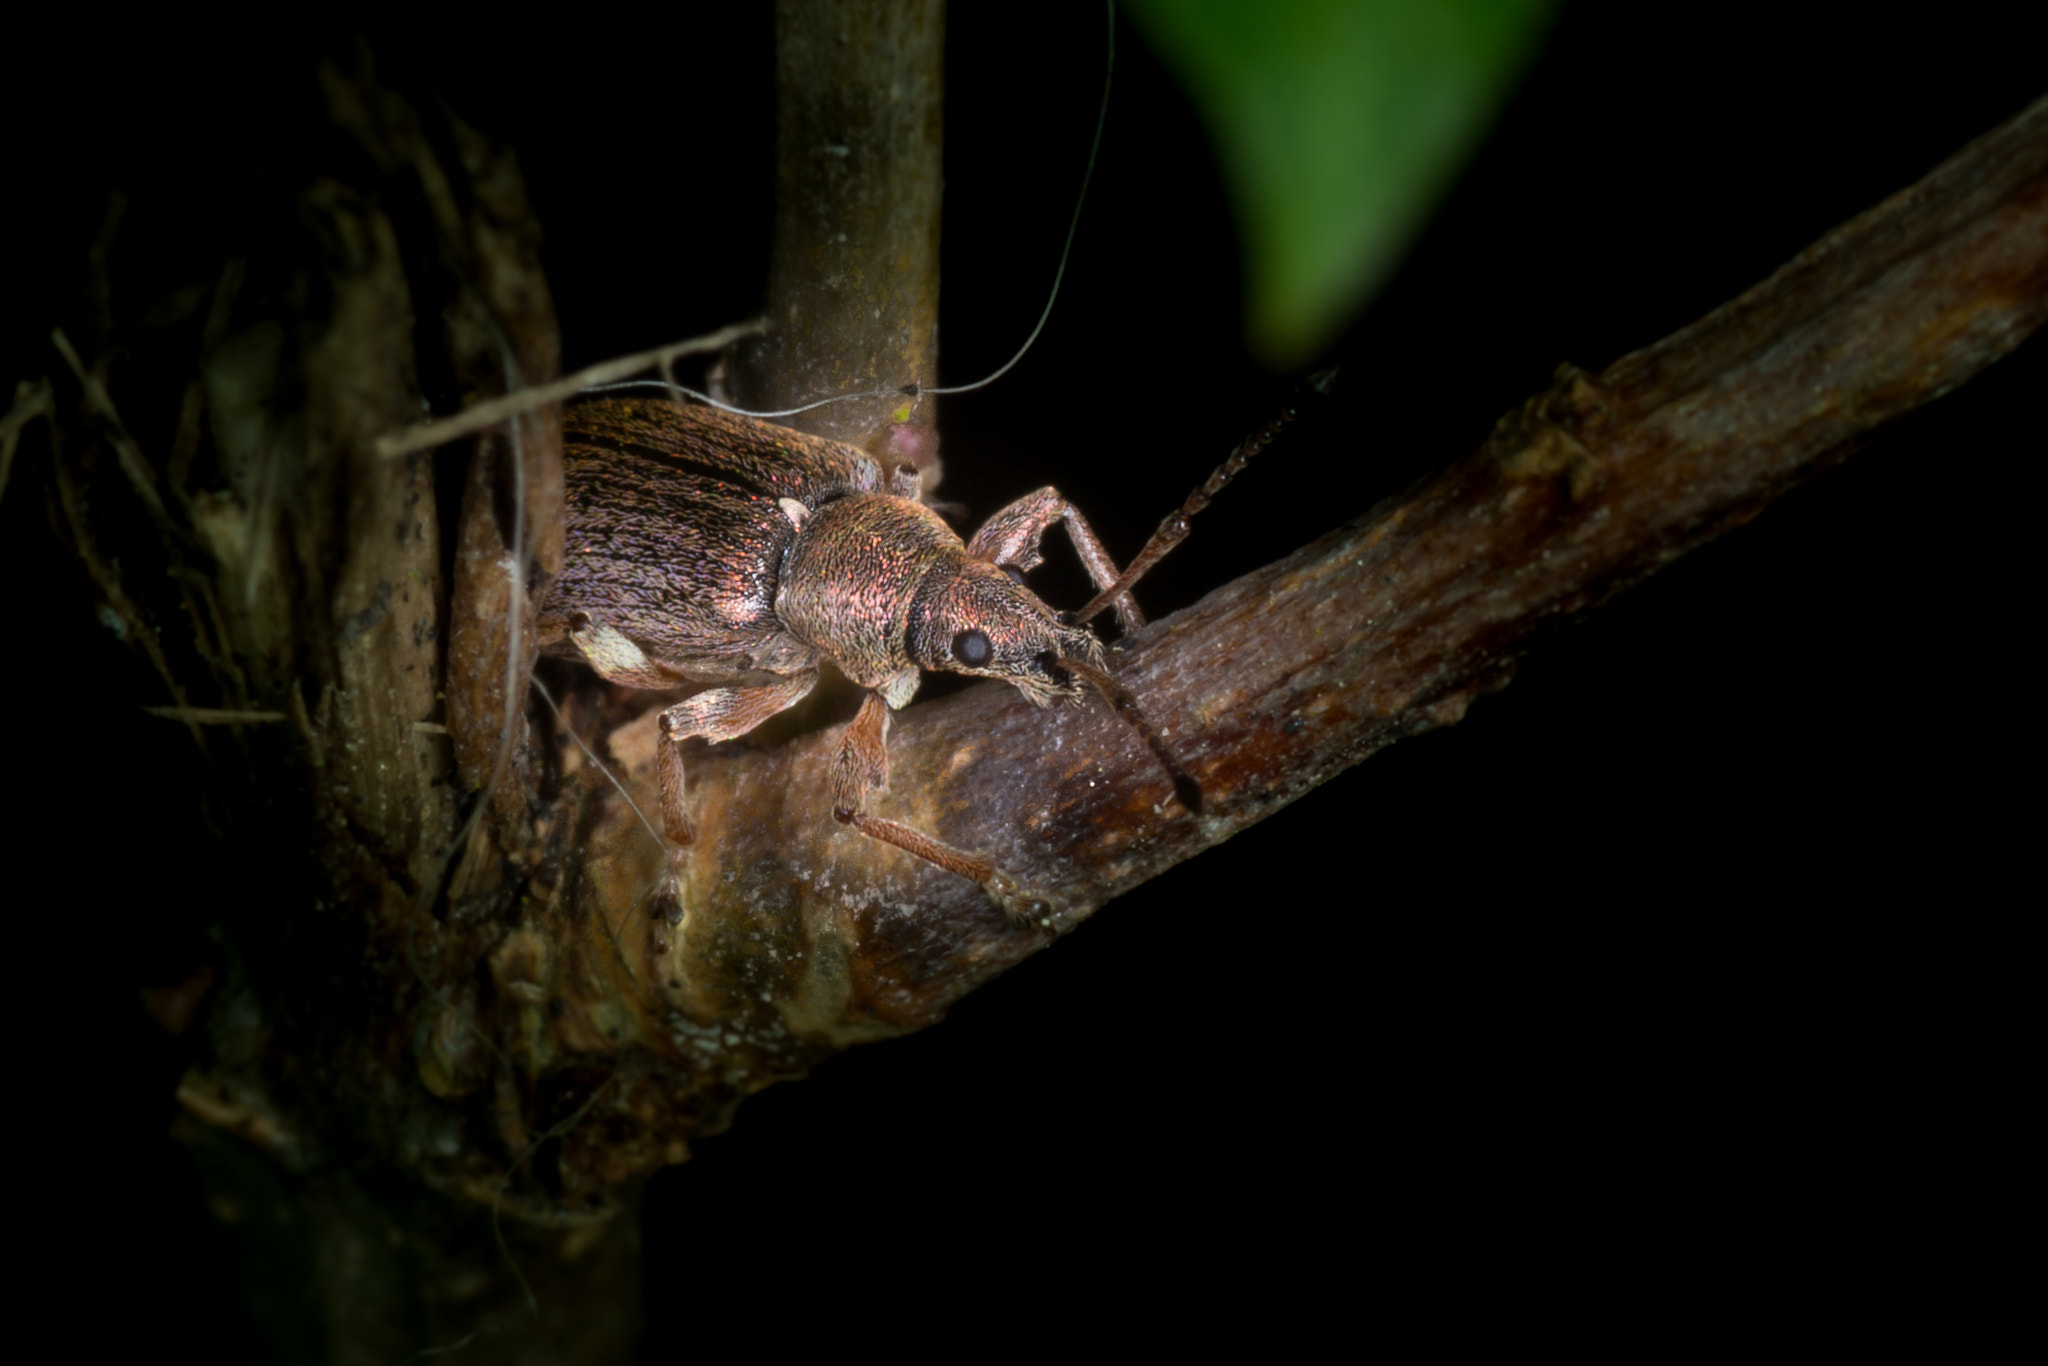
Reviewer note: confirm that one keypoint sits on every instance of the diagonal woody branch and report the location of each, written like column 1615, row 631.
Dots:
column 1384, row 628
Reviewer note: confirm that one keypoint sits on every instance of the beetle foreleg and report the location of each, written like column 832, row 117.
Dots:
column 1010, row 539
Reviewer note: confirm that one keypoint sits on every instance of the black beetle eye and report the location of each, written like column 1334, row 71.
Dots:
column 972, row 649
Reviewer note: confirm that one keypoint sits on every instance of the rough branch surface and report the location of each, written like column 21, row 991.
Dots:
column 1387, row 627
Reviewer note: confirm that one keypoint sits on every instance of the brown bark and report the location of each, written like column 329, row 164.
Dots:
column 485, row 1028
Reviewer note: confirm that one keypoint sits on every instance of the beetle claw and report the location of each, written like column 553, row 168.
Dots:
column 668, row 902
column 1021, row 907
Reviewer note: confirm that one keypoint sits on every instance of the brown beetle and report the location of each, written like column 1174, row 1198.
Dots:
column 704, row 547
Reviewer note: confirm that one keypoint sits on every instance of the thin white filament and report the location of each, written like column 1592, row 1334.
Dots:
column 667, row 381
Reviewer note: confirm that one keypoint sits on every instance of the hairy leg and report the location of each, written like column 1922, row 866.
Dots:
column 1010, row 538
column 863, row 767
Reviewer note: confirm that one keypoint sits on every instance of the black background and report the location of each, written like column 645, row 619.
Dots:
column 1674, row 976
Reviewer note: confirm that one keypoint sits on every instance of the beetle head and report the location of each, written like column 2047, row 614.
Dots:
column 982, row 622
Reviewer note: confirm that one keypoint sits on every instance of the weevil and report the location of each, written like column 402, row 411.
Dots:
column 708, row 548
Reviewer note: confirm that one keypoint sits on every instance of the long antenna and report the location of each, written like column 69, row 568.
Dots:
column 1174, row 529
column 914, row 390
column 1073, row 227
column 1184, row 787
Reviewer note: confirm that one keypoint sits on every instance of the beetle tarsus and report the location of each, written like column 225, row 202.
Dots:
column 668, row 902
column 1023, row 908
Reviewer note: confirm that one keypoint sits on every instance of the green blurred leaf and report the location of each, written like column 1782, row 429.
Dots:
column 1338, row 123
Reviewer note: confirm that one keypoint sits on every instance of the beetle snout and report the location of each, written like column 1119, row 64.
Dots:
column 982, row 622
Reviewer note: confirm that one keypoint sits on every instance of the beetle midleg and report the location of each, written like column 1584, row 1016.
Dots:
column 862, row 767
column 1011, row 536
column 716, row 714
